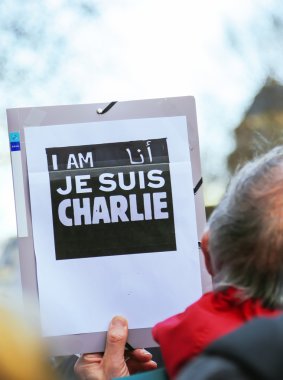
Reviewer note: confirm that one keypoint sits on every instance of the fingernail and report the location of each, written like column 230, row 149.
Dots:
column 90, row 356
column 119, row 323
column 145, row 352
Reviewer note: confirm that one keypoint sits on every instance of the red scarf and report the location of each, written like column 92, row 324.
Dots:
column 215, row 314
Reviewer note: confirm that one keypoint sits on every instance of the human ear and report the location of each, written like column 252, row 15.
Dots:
column 205, row 250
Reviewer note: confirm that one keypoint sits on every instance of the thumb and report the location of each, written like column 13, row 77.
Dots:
column 116, row 339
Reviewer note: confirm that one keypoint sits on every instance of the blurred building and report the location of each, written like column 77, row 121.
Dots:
column 262, row 126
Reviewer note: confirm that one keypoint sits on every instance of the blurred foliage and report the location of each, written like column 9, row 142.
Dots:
column 35, row 44
column 262, row 37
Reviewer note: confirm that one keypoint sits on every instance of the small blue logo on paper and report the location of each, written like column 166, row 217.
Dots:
column 14, row 137
column 15, row 141
column 15, row 146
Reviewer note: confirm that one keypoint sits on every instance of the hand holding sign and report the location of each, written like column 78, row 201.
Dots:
column 113, row 362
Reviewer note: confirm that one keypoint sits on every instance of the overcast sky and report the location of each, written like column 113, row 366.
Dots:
column 61, row 52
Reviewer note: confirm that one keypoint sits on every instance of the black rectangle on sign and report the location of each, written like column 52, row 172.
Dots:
column 111, row 199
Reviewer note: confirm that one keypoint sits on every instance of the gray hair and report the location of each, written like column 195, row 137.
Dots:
column 246, row 231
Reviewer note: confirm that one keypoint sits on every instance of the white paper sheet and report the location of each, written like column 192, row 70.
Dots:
column 82, row 295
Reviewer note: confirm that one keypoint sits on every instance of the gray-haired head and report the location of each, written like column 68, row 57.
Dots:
column 246, row 231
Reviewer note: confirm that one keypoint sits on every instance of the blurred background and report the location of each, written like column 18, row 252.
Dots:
column 226, row 53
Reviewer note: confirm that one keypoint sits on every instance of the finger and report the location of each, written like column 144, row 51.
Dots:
column 91, row 358
column 139, row 354
column 135, row 366
column 116, row 340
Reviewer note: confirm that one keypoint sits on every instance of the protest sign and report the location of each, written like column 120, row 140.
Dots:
column 112, row 218
column 100, row 190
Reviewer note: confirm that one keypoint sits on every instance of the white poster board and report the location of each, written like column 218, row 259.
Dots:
column 113, row 221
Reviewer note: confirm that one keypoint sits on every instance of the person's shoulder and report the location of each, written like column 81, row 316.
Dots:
column 211, row 368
